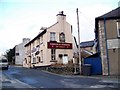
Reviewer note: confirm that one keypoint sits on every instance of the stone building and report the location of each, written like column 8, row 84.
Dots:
column 107, row 34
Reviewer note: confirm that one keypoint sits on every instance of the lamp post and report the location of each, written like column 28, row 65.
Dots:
column 79, row 40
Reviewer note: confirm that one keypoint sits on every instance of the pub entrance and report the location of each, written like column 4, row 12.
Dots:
column 63, row 58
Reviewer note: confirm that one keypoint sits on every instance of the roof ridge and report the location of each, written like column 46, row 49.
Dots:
column 112, row 13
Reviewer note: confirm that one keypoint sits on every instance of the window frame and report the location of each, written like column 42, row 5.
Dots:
column 34, row 60
column 41, row 38
column 53, row 54
column 38, row 41
column 118, row 29
column 41, row 58
column 52, row 36
column 62, row 37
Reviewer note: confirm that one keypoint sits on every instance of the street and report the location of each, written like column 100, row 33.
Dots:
column 19, row 77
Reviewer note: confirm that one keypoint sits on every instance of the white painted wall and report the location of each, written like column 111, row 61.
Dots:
column 21, row 50
column 60, row 26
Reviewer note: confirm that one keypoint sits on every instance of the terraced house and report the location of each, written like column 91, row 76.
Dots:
column 53, row 45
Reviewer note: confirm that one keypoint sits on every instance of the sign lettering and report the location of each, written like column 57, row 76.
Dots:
column 59, row 45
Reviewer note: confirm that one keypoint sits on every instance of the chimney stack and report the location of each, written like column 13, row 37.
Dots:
column 61, row 16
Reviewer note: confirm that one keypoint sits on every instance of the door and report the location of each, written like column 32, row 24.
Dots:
column 65, row 59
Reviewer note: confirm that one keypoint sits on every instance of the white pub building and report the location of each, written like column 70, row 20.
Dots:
column 54, row 44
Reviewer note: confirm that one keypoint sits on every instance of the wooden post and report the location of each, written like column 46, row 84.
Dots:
column 79, row 40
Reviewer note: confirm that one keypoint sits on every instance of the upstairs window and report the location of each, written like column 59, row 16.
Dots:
column 52, row 36
column 62, row 37
column 38, row 41
column 41, row 39
column 119, row 32
column 17, row 54
column 118, row 28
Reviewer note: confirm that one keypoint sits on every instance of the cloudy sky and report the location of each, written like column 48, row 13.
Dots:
column 24, row 18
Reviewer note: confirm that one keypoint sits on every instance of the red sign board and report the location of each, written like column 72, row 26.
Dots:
column 56, row 45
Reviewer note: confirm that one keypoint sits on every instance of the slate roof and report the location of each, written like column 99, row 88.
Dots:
column 114, row 14
column 40, row 34
column 87, row 44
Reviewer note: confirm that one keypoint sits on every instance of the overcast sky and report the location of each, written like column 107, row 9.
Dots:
column 24, row 18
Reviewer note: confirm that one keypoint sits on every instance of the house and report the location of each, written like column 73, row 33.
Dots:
column 53, row 45
column 88, row 46
column 107, row 34
column 20, row 52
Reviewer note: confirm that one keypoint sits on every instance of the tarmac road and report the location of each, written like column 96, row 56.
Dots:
column 19, row 77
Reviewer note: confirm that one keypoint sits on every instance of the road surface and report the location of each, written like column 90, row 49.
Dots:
column 19, row 77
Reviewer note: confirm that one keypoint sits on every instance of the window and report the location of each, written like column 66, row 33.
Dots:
column 118, row 28
column 34, row 60
column 52, row 36
column 53, row 56
column 25, row 60
column 41, row 39
column 60, row 56
column 17, row 54
column 33, row 44
column 119, row 32
column 38, row 41
column 39, row 60
column 62, row 37
column 41, row 55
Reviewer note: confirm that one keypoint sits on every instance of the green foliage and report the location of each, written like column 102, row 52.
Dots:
column 10, row 55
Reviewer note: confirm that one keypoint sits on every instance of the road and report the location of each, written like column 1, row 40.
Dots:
column 19, row 77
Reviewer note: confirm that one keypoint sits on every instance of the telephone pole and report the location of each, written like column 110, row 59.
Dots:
column 79, row 40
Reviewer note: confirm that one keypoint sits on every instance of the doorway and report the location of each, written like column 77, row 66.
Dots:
column 65, row 59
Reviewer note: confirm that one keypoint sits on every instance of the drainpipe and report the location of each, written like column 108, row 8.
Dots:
column 106, row 45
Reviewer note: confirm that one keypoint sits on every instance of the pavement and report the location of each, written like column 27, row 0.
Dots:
column 91, row 76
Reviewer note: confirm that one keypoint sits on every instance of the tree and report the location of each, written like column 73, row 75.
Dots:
column 10, row 54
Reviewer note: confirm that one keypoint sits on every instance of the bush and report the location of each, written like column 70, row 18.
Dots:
column 64, row 69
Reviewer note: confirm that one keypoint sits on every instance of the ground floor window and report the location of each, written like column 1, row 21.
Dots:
column 34, row 60
column 26, row 60
column 60, row 56
column 41, row 59
column 64, row 58
column 38, row 59
column 53, row 54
